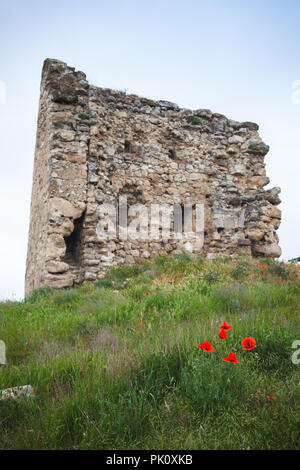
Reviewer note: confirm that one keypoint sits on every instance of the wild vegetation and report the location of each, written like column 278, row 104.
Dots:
column 115, row 364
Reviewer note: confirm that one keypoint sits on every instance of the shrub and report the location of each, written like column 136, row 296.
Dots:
column 196, row 120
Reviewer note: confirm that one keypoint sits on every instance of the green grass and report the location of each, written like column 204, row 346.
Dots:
column 196, row 120
column 115, row 368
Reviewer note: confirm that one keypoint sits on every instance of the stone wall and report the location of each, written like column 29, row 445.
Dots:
column 96, row 145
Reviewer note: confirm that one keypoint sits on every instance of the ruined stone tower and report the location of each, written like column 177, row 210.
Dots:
column 94, row 145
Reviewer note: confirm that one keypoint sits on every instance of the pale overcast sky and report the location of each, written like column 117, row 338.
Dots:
column 238, row 58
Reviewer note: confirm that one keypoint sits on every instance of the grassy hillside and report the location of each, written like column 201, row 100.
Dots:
column 115, row 368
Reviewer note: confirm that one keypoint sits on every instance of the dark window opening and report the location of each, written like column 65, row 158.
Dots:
column 73, row 244
column 220, row 229
column 172, row 154
column 127, row 147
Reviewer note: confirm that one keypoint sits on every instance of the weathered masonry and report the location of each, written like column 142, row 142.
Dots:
column 95, row 144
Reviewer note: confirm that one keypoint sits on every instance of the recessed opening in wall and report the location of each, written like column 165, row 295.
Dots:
column 127, row 146
column 73, row 243
column 220, row 229
column 172, row 154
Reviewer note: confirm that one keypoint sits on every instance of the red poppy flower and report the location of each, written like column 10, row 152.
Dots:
column 231, row 358
column 222, row 334
column 206, row 346
column 225, row 326
column 248, row 343
column 147, row 293
column 272, row 397
column 262, row 274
